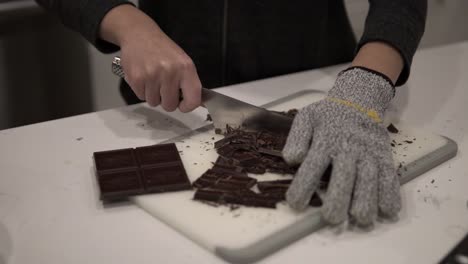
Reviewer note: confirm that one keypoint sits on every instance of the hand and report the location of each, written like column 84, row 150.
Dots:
column 155, row 67
column 345, row 130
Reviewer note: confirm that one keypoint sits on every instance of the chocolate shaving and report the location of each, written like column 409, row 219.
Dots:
column 392, row 129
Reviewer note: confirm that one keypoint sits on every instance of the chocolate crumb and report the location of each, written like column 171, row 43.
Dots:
column 79, row 139
column 392, row 129
column 234, row 207
column 432, row 181
column 208, row 118
column 409, row 141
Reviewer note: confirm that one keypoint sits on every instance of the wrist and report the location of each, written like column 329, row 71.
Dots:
column 363, row 88
column 380, row 57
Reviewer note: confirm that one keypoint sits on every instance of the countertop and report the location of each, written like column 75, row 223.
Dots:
column 50, row 211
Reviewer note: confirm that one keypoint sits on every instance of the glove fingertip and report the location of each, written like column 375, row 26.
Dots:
column 293, row 155
column 331, row 216
column 364, row 218
column 296, row 201
column 390, row 209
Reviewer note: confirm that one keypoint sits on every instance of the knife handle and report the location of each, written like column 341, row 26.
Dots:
column 118, row 70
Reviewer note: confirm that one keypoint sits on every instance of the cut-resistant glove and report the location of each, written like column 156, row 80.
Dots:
column 345, row 130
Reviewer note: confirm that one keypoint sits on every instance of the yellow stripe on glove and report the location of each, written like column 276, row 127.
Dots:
column 369, row 112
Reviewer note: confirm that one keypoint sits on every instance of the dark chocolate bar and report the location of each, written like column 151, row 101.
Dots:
column 126, row 172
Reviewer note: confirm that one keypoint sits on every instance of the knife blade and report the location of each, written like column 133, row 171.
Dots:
column 227, row 111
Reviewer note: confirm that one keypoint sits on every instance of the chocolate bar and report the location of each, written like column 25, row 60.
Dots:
column 152, row 169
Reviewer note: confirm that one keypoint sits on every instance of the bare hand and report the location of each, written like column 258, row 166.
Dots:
column 155, row 67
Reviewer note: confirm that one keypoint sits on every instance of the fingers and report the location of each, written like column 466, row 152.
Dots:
column 159, row 82
column 191, row 88
column 389, row 187
column 307, row 178
column 169, row 89
column 340, row 188
column 365, row 196
column 137, row 83
column 300, row 136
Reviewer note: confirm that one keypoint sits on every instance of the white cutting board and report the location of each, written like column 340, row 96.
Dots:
column 247, row 234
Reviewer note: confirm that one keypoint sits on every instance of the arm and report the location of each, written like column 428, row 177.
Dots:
column 155, row 67
column 380, row 57
column 392, row 27
column 84, row 17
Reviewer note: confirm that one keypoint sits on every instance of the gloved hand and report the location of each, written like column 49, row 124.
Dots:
column 346, row 130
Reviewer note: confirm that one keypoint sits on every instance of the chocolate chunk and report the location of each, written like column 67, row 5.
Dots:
column 220, row 168
column 252, row 152
column 218, row 131
column 268, row 186
column 241, row 197
column 271, row 152
column 212, row 178
column 259, row 169
column 208, row 118
column 125, row 172
column 392, row 129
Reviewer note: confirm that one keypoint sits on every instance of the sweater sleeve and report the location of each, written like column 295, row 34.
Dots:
column 399, row 23
column 84, row 16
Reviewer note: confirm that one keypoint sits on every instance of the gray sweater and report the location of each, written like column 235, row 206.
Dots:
column 242, row 40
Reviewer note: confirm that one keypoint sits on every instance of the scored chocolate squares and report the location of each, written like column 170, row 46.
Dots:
column 126, row 172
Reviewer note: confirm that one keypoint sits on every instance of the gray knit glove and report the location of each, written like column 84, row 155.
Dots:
column 346, row 130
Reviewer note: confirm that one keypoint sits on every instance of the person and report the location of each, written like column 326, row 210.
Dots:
column 170, row 47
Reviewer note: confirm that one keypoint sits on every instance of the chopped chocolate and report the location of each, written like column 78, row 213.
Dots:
column 409, row 141
column 392, row 129
column 259, row 169
column 220, row 178
column 271, row 152
column 125, row 172
column 278, row 190
column 241, row 198
column 255, row 151
column 268, row 186
column 227, row 167
column 242, row 152
column 208, row 117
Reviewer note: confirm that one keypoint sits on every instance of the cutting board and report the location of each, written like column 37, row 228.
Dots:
column 247, row 234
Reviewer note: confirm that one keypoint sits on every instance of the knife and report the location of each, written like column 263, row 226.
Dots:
column 226, row 111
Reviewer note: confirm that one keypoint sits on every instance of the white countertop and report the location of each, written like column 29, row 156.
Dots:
column 50, row 212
